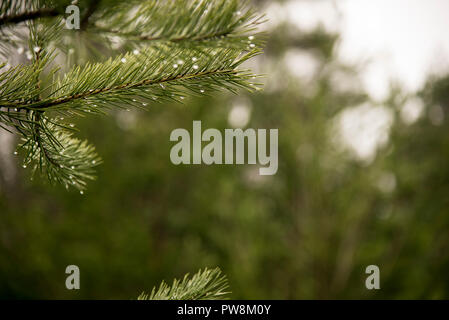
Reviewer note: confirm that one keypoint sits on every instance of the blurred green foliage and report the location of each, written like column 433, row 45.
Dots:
column 306, row 233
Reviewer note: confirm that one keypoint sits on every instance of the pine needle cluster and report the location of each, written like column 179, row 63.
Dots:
column 173, row 49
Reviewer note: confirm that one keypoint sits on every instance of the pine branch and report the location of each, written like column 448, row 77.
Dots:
column 199, row 48
column 179, row 20
column 29, row 16
column 52, row 151
column 204, row 285
column 163, row 72
column 17, row 11
column 48, row 146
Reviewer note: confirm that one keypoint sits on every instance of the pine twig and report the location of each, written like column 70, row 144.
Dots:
column 209, row 284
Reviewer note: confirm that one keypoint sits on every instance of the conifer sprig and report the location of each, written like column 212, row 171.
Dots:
column 180, row 20
column 157, row 73
column 53, row 151
column 209, row 284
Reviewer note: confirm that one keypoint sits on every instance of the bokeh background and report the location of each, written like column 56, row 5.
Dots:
column 359, row 91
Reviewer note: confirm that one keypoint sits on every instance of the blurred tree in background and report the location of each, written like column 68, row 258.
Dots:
column 307, row 232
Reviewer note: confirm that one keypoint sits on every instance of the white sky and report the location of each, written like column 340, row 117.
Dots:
column 403, row 39
column 407, row 39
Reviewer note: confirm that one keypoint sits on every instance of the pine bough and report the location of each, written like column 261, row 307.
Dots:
column 174, row 48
